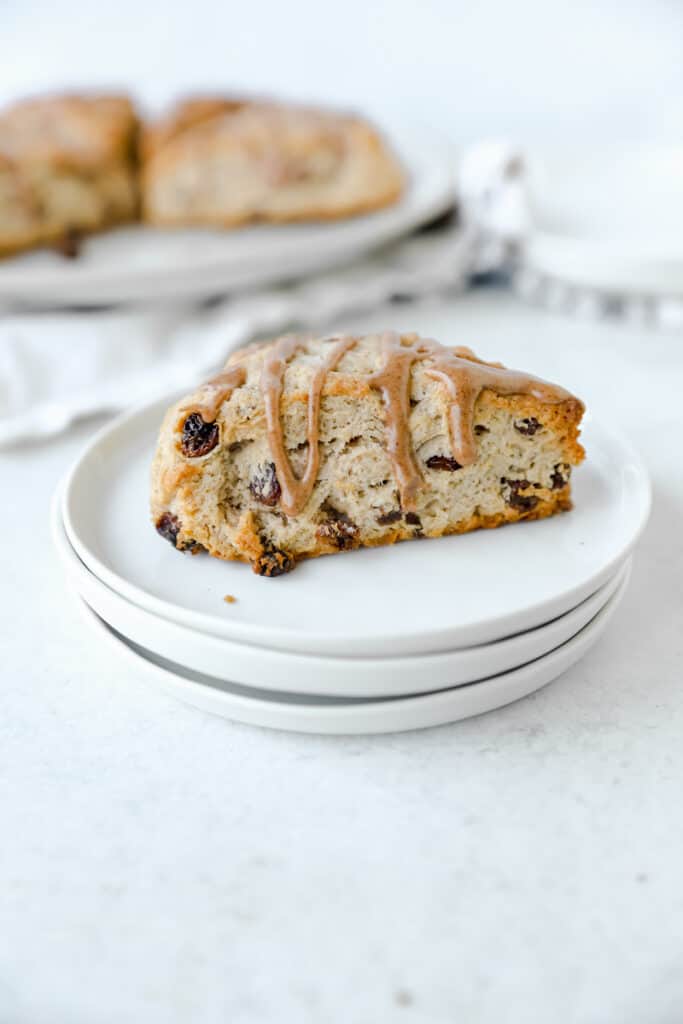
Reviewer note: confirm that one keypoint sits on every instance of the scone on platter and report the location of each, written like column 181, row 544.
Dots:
column 67, row 165
column 306, row 446
column 75, row 164
column 226, row 162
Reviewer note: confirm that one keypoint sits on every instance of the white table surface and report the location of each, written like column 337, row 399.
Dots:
column 162, row 866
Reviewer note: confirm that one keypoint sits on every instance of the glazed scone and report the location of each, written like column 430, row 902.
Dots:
column 307, row 446
column 67, row 165
column 225, row 162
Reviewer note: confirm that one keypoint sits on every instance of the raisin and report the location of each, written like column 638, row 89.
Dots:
column 339, row 530
column 273, row 562
column 443, row 462
column 389, row 517
column 168, row 527
column 69, row 245
column 528, row 426
column 199, row 437
column 557, row 480
column 522, row 502
column 414, row 520
column 264, row 485
column 237, row 446
column 480, row 429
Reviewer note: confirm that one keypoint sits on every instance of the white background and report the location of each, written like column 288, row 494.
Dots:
column 160, row 866
column 535, row 69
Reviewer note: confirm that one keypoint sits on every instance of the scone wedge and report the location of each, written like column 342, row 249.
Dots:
column 67, row 166
column 225, row 162
column 306, row 446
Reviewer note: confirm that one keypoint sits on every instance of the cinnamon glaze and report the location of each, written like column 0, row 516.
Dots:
column 295, row 491
column 392, row 380
column 461, row 373
column 218, row 389
column 464, row 376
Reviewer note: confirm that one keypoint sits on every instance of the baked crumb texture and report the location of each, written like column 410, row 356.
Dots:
column 227, row 162
column 409, row 443
column 67, row 167
column 72, row 165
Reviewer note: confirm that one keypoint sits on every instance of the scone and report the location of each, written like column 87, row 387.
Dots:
column 67, row 165
column 226, row 162
column 307, row 446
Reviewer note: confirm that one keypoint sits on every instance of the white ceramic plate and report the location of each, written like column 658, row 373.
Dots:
column 310, row 674
column 140, row 263
column 413, row 598
column 338, row 716
column 611, row 220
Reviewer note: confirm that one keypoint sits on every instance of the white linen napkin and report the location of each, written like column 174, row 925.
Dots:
column 59, row 366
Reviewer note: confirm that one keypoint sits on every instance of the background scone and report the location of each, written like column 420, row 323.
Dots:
column 67, row 164
column 226, row 162
column 306, row 446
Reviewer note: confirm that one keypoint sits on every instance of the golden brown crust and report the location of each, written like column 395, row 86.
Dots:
column 250, row 544
column 77, row 132
column 70, row 163
column 67, row 164
column 185, row 115
column 278, row 163
column 563, row 418
column 244, row 505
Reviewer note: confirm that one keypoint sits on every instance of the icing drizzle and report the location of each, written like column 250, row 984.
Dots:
column 464, row 377
column 295, row 490
column 393, row 381
column 461, row 373
column 218, row 389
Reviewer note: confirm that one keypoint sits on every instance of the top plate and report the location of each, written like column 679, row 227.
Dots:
column 610, row 219
column 136, row 263
column 412, row 598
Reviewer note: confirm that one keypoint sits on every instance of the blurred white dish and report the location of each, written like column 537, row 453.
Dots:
column 337, row 716
column 413, row 598
column 282, row 671
column 141, row 263
column 609, row 220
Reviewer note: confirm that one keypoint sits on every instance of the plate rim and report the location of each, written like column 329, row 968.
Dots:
column 257, row 634
column 602, row 266
column 424, row 710
column 311, row 668
column 559, row 248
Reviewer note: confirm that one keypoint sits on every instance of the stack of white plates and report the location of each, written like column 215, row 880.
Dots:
column 379, row 640
column 610, row 221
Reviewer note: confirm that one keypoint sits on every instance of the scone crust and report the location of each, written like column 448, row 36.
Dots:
column 69, row 131
column 185, row 116
column 277, row 163
column 81, row 163
column 526, row 449
column 67, row 164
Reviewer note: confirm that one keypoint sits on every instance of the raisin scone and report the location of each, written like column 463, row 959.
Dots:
column 67, row 166
column 226, row 162
column 306, row 446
